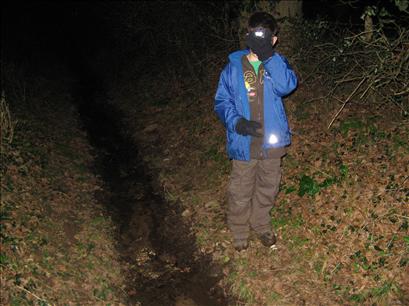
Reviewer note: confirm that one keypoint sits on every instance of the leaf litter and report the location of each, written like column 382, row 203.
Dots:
column 341, row 215
column 57, row 241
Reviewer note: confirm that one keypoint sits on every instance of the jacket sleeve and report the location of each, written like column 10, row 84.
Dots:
column 283, row 77
column 224, row 101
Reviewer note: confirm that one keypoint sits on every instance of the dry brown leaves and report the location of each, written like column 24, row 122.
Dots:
column 57, row 244
column 347, row 244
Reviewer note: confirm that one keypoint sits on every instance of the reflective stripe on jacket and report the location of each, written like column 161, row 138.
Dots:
column 231, row 103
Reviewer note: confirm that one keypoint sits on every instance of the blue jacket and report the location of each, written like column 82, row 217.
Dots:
column 231, row 103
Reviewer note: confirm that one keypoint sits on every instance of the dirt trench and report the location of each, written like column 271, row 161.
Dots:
column 156, row 245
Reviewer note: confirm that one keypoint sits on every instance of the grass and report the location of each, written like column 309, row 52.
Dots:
column 241, row 289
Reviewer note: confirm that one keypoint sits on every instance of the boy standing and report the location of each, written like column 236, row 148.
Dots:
column 248, row 102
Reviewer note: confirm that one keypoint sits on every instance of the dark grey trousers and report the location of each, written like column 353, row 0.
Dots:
column 252, row 190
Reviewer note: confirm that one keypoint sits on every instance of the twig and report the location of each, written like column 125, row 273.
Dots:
column 365, row 91
column 29, row 292
column 347, row 80
column 401, row 216
column 401, row 93
column 346, row 101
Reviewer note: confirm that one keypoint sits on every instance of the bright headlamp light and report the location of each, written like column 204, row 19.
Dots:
column 260, row 33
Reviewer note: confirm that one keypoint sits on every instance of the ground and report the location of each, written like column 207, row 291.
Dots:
column 341, row 215
column 57, row 240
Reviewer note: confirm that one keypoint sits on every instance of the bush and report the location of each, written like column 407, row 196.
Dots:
column 7, row 124
column 352, row 68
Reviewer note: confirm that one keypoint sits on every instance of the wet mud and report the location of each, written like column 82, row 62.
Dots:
column 155, row 242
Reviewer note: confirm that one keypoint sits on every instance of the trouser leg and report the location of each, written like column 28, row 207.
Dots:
column 268, row 176
column 240, row 192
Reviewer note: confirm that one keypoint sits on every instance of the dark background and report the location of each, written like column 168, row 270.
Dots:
column 44, row 34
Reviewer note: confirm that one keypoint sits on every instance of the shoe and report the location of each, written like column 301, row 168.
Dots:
column 240, row 245
column 267, row 239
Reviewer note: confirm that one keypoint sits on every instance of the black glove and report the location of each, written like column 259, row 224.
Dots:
column 245, row 127
column 259, row 41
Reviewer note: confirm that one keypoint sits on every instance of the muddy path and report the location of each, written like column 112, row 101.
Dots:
column 157, row 248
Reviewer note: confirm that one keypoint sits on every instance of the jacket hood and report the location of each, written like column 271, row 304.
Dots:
column 235, row 57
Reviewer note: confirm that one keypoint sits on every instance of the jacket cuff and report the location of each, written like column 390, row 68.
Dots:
column 234, row 123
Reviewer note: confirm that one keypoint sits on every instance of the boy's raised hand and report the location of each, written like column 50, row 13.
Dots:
column 259, row 41
column 247, row 127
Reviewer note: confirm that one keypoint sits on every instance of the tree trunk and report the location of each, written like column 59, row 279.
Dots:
column 368, row 28
column 289, row 8
column 284, row 11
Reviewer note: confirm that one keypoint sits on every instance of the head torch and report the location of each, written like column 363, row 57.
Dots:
column 260, row 33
